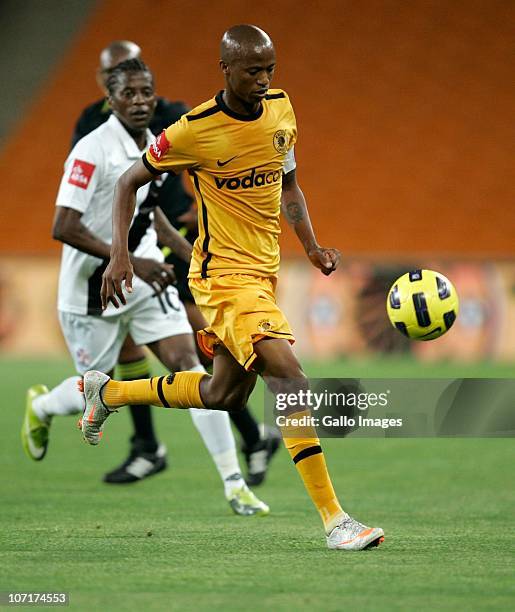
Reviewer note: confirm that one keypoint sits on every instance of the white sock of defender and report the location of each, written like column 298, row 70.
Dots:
column 214, row 427
column 62, row 400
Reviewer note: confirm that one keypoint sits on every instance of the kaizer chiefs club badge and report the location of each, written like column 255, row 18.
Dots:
column 264, row 325
column 281, row 142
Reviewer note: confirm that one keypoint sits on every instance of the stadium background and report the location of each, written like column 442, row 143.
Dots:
column 406, row 150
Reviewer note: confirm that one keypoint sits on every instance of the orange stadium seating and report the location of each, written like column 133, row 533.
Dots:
column 404, row 108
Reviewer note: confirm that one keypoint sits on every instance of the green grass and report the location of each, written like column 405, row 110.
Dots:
column 170, row 543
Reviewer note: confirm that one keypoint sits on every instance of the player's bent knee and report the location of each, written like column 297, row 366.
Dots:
column 232, row 401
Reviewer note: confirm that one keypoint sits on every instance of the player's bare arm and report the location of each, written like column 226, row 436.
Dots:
column 168, row 236
column 120, row 268
column 69, row 229
column 294, row 208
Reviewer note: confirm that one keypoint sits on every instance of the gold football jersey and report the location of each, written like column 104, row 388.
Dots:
column 236, row 165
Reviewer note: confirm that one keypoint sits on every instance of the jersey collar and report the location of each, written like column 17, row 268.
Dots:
column 223, row 106
column 127, row 141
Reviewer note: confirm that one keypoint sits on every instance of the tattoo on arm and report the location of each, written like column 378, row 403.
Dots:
column 294, row 212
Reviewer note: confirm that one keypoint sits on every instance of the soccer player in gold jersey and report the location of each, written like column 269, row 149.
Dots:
column 238, row 150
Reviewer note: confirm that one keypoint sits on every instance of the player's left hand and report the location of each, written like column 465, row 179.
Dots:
column 326, row 260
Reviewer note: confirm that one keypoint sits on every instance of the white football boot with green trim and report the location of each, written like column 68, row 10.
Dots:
column 245, row 503
column 34, row 431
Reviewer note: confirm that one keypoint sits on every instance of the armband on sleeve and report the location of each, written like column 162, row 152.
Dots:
column 289, row 163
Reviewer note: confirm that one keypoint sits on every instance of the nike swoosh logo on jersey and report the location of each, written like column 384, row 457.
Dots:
column 224, row 163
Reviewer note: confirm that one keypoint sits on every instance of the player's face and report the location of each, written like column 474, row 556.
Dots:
column 250, row 76
column 133, row 100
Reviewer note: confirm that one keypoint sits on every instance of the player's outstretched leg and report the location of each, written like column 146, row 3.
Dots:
column 102, row 396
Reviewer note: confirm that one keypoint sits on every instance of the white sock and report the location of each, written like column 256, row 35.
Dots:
column 61, row 400
column 215, row 429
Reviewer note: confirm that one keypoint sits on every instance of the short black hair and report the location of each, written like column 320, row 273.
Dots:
column 130, row 65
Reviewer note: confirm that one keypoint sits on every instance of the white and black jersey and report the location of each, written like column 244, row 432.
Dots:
column 90, row 174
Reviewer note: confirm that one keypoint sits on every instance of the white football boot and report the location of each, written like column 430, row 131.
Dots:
column 96, row 412
column 352, row 535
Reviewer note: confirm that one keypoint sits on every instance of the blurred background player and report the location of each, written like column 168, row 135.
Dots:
column 155, row 317
column 169, row 193
column 146, row 456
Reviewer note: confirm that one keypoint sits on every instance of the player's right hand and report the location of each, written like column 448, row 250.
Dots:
column 118, row 270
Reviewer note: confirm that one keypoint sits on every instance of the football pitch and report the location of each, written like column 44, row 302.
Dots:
column 171, row 542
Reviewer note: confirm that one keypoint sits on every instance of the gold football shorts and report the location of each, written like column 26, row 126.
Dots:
column 240, row 310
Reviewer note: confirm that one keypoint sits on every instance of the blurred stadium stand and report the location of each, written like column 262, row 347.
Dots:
column 34, row 36
column 405, row 113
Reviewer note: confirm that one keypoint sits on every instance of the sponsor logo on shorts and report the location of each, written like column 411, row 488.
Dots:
column 83, row 357
column 81, row 173
column 159, row 147
column 255, row 178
